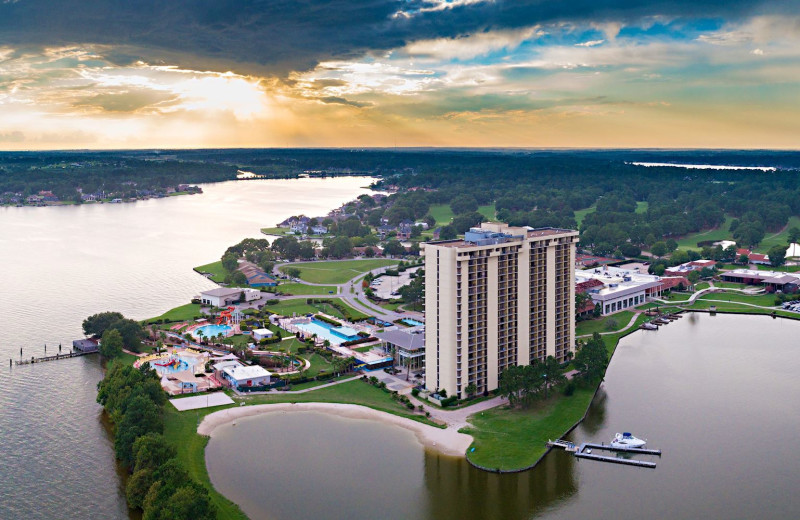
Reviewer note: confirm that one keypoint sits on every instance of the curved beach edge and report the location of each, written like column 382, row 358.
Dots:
column 445, row 441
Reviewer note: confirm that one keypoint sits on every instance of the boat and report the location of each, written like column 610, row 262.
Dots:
column 627, row 440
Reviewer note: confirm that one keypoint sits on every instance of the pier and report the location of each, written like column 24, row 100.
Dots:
column 54, row 357
column 584, row 452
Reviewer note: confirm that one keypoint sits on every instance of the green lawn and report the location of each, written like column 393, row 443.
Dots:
column 187, row 312
column 442, row 213
column 642, row 206
column 705, row 285
column 299, row 306
column 274, row 230
column 337, row 271
column 215, row 268
column 515, row 438
column 775, row 239
column 677, row 297
column 783, row 268
column 181, row 429
column 581, row 214
column 727, row 285
column 604, row 324
column 301, row 288
column 489, row 211
column 766, row 300
column 721, row 233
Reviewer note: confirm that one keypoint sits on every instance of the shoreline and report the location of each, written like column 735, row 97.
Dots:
column 446, row 441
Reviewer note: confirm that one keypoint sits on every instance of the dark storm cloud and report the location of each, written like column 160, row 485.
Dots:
column 279, row 36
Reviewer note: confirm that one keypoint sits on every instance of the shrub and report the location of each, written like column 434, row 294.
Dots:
column 410, row 406
column 415, row 392
column 569, row 388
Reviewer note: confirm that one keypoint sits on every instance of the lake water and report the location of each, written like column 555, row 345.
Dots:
column 718, row 394
column 61, row 264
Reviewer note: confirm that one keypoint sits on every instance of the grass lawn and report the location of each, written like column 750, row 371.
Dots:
column 337, row 271
column 677, row 297
column 642, row 206
column 515, row 438
column 390, row 306
column 299, row 306
column 301, row 288
column 238, row 340
column 187, row 312
column 442, row 213
column 181, row 429
column 705, row 285
column 766, row 300
column 721, row 233
column 605, row 324
column 489, row 211
column 218, row 272
column 274, row 230
column 775, row 239
column 581, row 214
column 783, row 268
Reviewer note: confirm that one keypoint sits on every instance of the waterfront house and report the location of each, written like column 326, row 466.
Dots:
column 236, row 375
column 221, row 296
column 406, row 346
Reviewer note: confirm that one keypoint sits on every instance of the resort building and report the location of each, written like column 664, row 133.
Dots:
column 615, row 289
column 259, row 334
column 500, row 297
column 234, row 374
column 407, row 346
column 771, row 280
column 224, row 296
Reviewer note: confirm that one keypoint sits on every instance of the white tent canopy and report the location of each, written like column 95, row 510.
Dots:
column 793, row 250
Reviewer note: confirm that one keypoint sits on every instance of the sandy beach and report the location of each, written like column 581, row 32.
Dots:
column 446, row 441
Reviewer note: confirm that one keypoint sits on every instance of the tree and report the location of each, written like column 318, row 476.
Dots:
column 447, row 232
column 292, row 272
column 592, row 358
column 464, row 204
column 693, row 277
column 111, row 344
column 96, row 324
column 777, row 255
column 141, row 416
column 744, row 259
column 553, row 376
column 794, row 235
column 659, row 249
column 393, row 247
column 132, row 333
column 230, row 262
column 581, row 299
column 470, row 389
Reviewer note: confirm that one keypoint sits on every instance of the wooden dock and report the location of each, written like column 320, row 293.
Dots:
column 54, row 357
column 584, row 452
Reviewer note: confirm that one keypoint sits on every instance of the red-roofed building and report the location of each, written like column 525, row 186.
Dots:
column 672, row 282
column 758, row 258
column 585, row 287
column 740, row 252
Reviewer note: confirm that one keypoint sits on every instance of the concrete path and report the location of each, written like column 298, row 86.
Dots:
column 623, row 329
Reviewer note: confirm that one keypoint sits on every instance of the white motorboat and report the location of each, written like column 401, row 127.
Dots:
column 627, row 440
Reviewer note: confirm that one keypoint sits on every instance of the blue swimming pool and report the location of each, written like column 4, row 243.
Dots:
column 336, row 335
column 209, row 331
column 412, row 322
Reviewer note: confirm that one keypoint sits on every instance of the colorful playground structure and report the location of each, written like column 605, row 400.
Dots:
column 230, row 316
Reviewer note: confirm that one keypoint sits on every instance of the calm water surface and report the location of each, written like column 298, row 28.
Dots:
column 719, row 394
column 61, row 264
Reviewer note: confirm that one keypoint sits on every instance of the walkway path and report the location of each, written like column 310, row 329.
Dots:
column 623, row 329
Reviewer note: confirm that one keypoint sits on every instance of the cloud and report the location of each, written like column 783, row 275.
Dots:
column 279, row 36
column 591, row 43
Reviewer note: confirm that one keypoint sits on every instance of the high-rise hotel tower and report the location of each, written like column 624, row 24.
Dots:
column 502, row 296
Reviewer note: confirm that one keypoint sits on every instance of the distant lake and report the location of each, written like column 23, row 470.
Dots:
column 60, row 264
column 706, row 166
column 718, row 394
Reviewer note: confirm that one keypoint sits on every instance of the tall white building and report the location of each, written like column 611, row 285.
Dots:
column 502, row 296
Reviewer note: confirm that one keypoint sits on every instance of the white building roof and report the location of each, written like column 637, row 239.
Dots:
column 793, row 250
column 242, row 372
column 617, row 282
column 263, row 332
column 222, row 292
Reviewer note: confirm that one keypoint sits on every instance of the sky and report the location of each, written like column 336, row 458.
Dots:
column 406, row 73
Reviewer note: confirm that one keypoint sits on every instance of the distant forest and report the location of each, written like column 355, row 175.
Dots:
column 536, row 188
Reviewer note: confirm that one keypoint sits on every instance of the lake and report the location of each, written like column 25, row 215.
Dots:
column 718, row 394
column 60, row 264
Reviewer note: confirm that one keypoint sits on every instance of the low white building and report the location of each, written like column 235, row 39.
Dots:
column 622, row 289
column 234, row 374
column 260, row 334
column 224, row 296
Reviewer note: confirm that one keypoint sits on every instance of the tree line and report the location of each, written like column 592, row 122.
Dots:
column 158, row 485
